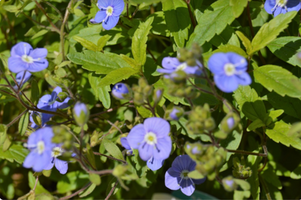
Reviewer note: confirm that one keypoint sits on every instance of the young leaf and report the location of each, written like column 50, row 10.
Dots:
column 177, row 20
column 102, row 93
column 23, row 123
column 269, row 31
column 14, row 153
column 278, row 79
column 112, row 149
column 139, row 41
column 86, row 43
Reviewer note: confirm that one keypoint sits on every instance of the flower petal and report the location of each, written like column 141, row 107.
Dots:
column 199, row 181
column 293, row 5
column 165, row 71
column 100, row 16
column 170, row 63
column 174, row 172
column 104, row 3
column 20, row 49
column 217, row 62
column 171, row 182
column 110, row 22
column 124, row 143
column 50, row 164
column 154, row 164
column 41, row 161
column 183, row 162
column 239, row 61
column 16, row 64
column 226, row 83
column 37, row 66
column 20, row 75
column 244, row 79
column 38, row 53
column 163, row 148
column 187, row 187
column 30, row 160
column 118, row 6
column 269, row 5
column 158, row 126
column 193, row 70
column 62, row 105
column 146, row 151
column 136, row 136
column 61, row 166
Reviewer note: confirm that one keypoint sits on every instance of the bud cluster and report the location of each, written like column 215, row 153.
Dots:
column 192, row 56
column 240, row 170
column 200, row 120
column 142, row 91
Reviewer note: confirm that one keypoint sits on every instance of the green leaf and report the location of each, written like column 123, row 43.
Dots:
column 254, row 110
column 269, row 31
column 270, row 176
column 3, row 135
column 213, row 22
column 112, row 149
column 139, row 41
column 102, row 42
column 102, row 93
column 117, row 76
column 278, row 79
column 286, row 49
column 90, row 156
column 245, row 94
column 40, row 33
column 177, row 20
column 101, row 63
column 88, row 191
column 231, row 48
column 245, row 41
column 39, row 188
column 23, row 123
column 85, row 43
column 35, row 92
column 279, row 133
column 238, row 7
column 95, row 179
column 72, row 181
column 14, row 153
column 254, row 180
column 257, row 123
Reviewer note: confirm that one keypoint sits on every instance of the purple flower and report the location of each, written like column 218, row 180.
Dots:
column 230, row 122
column 277, row 7
column 25, row 75
column 152, row 163
column 109, row 13
column 121, row 91
column 151, row 139
column 176, row 177
column 229, row 71
column 60, row 165
column 176, row 113
column 48, row 102
column 25, row 58
column 40, row 146
column 171, row 64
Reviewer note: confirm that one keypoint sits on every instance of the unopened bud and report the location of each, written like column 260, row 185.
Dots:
column 80, row 113
column 229, row 184
column 176, row 113
column 37, row 118
column 121, row 91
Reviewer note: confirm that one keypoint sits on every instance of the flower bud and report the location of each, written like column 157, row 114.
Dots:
column 229, row 184
column 37, row 118
column 157, row 95
column 176, row 113
column 121, row 91
column 80, row 113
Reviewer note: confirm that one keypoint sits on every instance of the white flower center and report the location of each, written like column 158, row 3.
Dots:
column 27, row 59
column 56, row 152
column 109, row 11
column 150, row 138
column 181, row 67
column 40, row 147
column 229, row 69
column 280, row 3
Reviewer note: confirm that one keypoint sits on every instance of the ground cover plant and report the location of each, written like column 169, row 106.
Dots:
column 156, row 99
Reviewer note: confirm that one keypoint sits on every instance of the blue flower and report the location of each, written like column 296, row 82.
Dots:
column 277, row 7
column 152, row 163
column 176, row 177
column 230, row 122
column 25, row 58
column 176, row 113
column 109, row 13
column 171, row 64
column 40, row 146
column 151, row 139
column 60, row 165
column 229, row 71
column 121, row 91
column 48, row 102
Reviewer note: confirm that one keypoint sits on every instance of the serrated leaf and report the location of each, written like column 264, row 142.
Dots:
column 245, row 94
column 117, row 76
column 85, row 43
column 286, row 49
column 100, row 63
column 269, row 31
column 112, row 149
column 278, row 79
column 212, row 22
column 177, row 20
column 139, row 41
column 279, row 133
column 14, row 153
column 254, row 110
